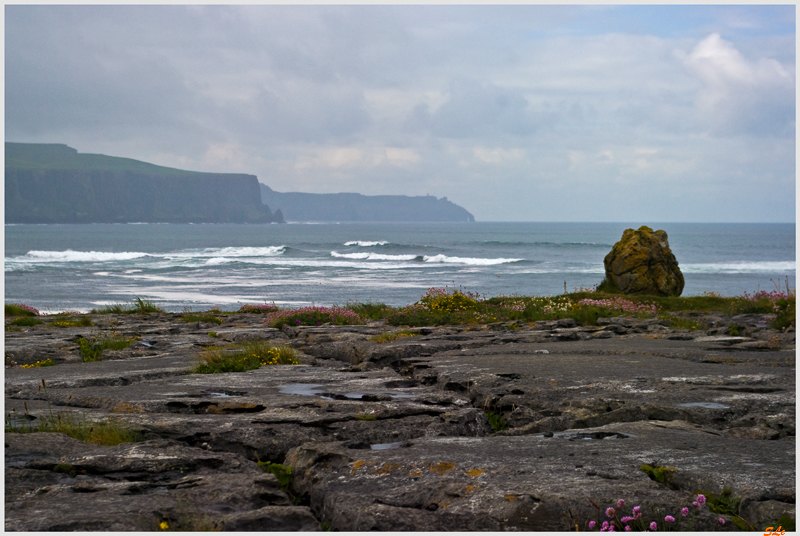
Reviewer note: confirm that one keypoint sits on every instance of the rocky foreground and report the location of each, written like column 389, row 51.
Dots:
column 397, row 435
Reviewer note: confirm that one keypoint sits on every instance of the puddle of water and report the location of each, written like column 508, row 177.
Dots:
column 707, row 405
column 222, row 395
column 386, row 446
column 303, row 389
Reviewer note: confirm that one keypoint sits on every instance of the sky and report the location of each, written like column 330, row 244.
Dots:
column 517, row 113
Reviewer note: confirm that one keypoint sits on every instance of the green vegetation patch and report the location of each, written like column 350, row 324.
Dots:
column 388, row 336
column 660, row 474
column 92, row 349
column 44, row 363
column 26, row 321
column 20, row 309
column 137, row 306
column 313, row 316
column 245, row 356
column 497, row 421
column 106, row 432
column 201, row 317
column 82, row 321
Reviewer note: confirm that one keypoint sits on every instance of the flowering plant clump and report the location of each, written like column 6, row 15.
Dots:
column 18, row 309
column 620, row 305
column 248, row 356
column 313, row 316
column 258, row 308
column 439, row 299
column 46, row 363
column 636, row 520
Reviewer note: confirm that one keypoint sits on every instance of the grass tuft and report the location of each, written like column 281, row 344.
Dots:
column 246, row 356
column 26, row 321
column 137, row 306
column 92, row 349
column 388, row 336
column 201, row 317
column 106, row 432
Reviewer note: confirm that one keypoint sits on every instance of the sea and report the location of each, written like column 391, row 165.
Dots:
column 193, row 267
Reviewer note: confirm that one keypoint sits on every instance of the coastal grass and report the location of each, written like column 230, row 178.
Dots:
column 19, row 309
column 68, row 322
column 92, row 349
column 137, row 306
column 388, row 336
column 206, row 318
column 245, row 356
column 107, row 432
column 26, row 321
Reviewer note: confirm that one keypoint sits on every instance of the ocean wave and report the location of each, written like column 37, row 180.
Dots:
column 366, row 244
column 78, row 256
column 467, row 260
column 215, row 261
column 268, row 251
column 741, row 267
column 376, row 256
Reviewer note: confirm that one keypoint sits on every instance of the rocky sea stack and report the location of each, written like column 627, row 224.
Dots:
column 642, row 263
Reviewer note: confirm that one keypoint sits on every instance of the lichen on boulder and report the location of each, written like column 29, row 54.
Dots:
column 642, row 263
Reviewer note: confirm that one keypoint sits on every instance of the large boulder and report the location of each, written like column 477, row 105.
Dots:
column 642, row 263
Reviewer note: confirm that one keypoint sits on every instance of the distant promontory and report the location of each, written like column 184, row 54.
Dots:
column 347, row 207
column 53, row 183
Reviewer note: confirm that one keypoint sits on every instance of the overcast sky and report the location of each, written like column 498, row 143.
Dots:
column 516, row 113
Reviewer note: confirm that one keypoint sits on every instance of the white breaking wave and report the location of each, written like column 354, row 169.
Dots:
column 269, row 251
column 365, row 244
column 214, row 261
column 374, row 256
column 78, row 256
column 741, row 267
column 467, row 260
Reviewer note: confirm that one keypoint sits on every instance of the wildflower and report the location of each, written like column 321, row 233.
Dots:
column 684, row 511
column 163, row 525
column 696, row 504
column 669, row 519
column 722, row 521
column 605, row 525
column 627, row 528
column 636, row 510
column 701, row 500
column 627, row 518
column 653, row 526
column 592, row 524
column 620, row 503
column 610, row 512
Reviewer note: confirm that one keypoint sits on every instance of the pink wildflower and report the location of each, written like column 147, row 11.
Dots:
column 592, row 524
column 653, row 526
column 669, row 519
column 627, row 528
column 722, row 521
column 636, row 509
column 701, row 500
column 684, row 511
column 605, row 525
column 627, row 518
column 610, row 512
column 620, row 503
column 696, row 504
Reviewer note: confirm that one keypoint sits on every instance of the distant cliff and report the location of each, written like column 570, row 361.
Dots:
column 53, row 183
column 357, row 207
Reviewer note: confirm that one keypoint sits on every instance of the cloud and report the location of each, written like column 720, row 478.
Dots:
column 742, row 95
